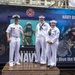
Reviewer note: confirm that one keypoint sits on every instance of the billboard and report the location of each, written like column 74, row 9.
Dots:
column 29, row 17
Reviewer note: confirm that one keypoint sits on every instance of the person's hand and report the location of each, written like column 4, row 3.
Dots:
column 8, row 40
column 49, row 42
column 23, row 40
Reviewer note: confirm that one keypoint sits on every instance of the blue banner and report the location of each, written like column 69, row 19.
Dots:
column 64, row 18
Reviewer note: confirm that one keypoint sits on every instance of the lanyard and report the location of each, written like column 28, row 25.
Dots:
column 41, row 26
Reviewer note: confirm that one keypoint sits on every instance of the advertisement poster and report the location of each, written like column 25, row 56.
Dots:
column 29, row 19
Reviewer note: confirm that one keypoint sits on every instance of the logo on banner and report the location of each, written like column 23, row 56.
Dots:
column 30, row 12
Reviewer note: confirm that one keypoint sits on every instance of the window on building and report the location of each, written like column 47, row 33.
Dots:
column 27, row 1
column 34, row 2
column 48, row 0
column 12, row 1
column 19, row 1
column 42, row 0
column 42, row 4
column 72, row 3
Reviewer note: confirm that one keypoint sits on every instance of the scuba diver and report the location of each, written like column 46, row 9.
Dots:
column 68, row 42
column 70, row 33
column 28, row 33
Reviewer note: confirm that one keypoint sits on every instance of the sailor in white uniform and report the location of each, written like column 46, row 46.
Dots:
column 41, row 31
column 52, row 40
column 13, row 37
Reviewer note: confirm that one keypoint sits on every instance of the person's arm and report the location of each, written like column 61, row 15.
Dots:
column 22, row 33
column 25, row 32
column 33, row 31
column 56, row 36
column 48, row 36
column 36, row 30
column 8, row 32
column 23, row 37
column 8, row 37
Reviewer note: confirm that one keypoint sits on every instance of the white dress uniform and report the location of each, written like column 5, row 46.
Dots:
column 41, row 30
column 14, row 45
column 51, row 52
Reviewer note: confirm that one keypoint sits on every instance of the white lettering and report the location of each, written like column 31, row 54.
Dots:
column 69, row 59
column 66, row 17
column 26, row 57
column 62, row 59
column 21, row 56
column 73, row 17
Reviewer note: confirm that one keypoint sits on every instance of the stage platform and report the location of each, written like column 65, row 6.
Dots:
column 29, row 69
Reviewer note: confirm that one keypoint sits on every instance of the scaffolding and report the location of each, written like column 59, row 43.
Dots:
column 41, row 3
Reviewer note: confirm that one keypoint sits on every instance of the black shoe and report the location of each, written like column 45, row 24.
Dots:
column 52, row 67
column 42, row 64
column 36, row 62
column 48, row 66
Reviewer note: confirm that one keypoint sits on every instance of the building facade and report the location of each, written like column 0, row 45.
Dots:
column 44, row 3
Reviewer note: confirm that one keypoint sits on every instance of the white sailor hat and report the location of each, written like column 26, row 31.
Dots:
column 41, row 16
column 16, row 16
column 53, row 21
